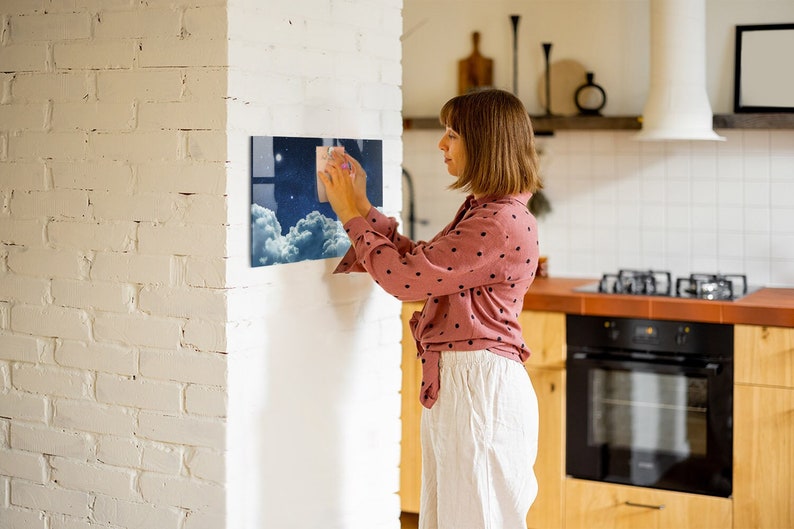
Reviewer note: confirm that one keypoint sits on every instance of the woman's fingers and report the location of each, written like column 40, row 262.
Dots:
column 341, row 162
column 355, row 166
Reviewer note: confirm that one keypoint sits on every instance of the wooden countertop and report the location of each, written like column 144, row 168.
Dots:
column 767, row 306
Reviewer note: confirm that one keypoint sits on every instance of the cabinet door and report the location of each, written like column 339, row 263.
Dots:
column 763, row 458
column 544, row 334
column 764, row 355
column 594, row 505
column 549, row 386
column 410, row 447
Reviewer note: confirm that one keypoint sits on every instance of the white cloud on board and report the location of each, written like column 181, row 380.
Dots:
column 313, row 237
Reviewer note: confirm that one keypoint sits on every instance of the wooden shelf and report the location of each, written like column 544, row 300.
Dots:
column 552, row 123
column 754, row 121
column 548, row 124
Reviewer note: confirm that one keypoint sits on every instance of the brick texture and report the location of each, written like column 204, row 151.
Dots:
column 93, row 147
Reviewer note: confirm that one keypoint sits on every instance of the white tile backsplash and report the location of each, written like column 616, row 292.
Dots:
column 757, row 193
column 618, row 203
column 782, row 193
column 756, row 141
column 783, row 141
column 757, row 222
column 730, row 166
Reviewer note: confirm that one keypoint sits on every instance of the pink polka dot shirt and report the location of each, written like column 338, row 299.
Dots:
column 472, row 276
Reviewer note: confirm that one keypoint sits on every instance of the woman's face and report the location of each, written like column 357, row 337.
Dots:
column 451, row 144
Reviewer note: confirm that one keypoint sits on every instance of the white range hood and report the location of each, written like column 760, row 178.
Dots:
column 678, row 106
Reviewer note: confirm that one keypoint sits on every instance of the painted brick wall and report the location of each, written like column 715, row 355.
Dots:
column 112, row 242
column 314, row 378
column 147, row 373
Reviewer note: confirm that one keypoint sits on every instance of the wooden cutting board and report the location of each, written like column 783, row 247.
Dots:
column 566, row 76
column 475, row 71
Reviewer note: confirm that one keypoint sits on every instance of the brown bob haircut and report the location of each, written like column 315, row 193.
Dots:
column 498, row 140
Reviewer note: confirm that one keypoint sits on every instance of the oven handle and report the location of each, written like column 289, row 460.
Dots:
column 609, row 360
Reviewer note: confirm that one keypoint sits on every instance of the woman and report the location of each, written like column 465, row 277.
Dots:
column 479, row 426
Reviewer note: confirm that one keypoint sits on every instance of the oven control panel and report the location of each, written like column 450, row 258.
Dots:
column 666, row 336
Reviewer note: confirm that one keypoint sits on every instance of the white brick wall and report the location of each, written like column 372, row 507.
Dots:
column 109, row 415
column 147, row 373
column 313, row 377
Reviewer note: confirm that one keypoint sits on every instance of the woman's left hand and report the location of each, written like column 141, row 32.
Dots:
column 338, row 179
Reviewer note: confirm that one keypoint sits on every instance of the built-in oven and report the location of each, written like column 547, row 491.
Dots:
column 650, row 403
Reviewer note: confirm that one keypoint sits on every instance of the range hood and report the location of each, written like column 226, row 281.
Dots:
column 678, row 106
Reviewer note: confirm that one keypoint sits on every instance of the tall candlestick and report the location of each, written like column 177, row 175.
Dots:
column 546, row 52
column 514, row 19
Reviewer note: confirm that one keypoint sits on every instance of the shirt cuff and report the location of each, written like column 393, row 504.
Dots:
column 377, row 219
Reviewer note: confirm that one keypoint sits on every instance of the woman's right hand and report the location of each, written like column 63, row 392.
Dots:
column 359, row 185
column 339, row 180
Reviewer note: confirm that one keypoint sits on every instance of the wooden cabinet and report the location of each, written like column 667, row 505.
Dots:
column 549, row 467
column 544, row 333
column 763, row 458
column 595, row 505
column 763, row 355
column 411, row 448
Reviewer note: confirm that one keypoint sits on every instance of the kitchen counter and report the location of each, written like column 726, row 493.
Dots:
column 766, row 306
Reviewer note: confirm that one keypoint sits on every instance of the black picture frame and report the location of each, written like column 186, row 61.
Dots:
column 764, row 73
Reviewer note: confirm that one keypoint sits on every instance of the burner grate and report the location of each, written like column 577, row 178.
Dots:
column 725, row 287
column 644, row 282
column 712, row 286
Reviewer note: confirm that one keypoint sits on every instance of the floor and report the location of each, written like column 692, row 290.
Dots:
column 409, row 520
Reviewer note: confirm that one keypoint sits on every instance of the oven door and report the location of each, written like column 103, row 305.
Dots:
column 650, row 421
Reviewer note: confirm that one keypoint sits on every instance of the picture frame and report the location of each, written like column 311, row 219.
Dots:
column 764, row 76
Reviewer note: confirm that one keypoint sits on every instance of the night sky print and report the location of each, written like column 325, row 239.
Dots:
column 288, row 222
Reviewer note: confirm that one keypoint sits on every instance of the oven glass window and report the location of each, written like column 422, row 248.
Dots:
column 652, row 412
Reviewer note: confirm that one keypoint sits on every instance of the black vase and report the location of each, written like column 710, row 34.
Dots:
column 590, row 98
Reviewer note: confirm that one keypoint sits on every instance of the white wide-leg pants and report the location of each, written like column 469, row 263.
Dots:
column 479, row 444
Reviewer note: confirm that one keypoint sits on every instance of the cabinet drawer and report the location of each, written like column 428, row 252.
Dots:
column 594, row 505
column 764, row 355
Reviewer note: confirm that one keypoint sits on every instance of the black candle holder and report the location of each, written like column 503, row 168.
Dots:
column 514, row 20
column 546, row 53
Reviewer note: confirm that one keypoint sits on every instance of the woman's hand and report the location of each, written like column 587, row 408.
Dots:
column 359, row 185
column 343, row 186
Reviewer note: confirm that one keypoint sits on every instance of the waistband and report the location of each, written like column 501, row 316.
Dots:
column 462, row 358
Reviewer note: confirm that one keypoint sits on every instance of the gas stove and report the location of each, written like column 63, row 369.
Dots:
column 721, row 287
